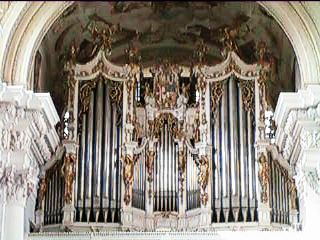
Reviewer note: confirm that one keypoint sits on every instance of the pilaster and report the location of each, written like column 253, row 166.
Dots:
column 28, row 139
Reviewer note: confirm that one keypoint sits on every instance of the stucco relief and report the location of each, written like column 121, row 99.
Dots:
column 16, row 184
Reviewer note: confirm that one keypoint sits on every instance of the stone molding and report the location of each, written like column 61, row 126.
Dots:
column 28, row 140
column 298, row 133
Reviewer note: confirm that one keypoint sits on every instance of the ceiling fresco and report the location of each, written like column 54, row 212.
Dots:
column 167, row 30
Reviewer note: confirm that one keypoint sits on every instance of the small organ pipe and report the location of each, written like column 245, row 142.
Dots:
column 98, row 145
column 90, row 145
column 106, row 151
column 83, row 154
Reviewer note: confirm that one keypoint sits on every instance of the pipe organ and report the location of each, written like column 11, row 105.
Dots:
column 167, row 147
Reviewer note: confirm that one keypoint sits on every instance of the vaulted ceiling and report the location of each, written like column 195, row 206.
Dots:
column 167, row 30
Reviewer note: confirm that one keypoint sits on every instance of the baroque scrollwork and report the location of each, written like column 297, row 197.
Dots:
column 247, row 88
column 217, row 89
column 85, row 94
column 116, row 92
column 68, row 171
column 264, row 177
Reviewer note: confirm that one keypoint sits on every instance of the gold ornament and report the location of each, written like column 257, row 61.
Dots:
column 68, row 171
column 204, row 177
column 128, row 176
column 247, row 88
column 264, row 177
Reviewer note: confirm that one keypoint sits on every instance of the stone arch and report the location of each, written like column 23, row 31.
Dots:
column 29, row 22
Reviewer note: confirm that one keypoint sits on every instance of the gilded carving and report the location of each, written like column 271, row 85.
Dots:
column 264, row 177
column 217, row 89
column 133, row 55
column 228, row 41
column 68, row 171
column 137, row 128
column 166, row 84
column 293, row 193
column 85, row 92
column 128, row 176
column 204, row 177
column 172, row 121
column 149, row 164
column 233, row 66
column 201, row 51
column 116, row 92
column 182, row 161
column 201, row 84
column 247, row 88
column 197, row 127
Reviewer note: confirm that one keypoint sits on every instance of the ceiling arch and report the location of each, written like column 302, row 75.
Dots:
column 33, row 20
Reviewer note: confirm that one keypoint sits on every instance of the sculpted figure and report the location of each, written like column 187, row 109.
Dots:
column 204, row 177
column 204, row 172
column 149, row 163
column 128, row 176
column 293, row 193
column 68, row 171
column 42, row 191
column 264, row 177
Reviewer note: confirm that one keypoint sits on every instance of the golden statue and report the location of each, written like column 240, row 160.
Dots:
column 264, row 177
column 204, row 172
column 293, row 193
column 204, row 177
column 128, row 176
column 68, row 171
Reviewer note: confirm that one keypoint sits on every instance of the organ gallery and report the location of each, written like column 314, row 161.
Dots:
column 167, row 146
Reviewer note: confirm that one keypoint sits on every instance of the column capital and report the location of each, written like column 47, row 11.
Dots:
column 17, row 185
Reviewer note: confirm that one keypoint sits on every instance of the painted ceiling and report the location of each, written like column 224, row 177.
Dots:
column 164, row 30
